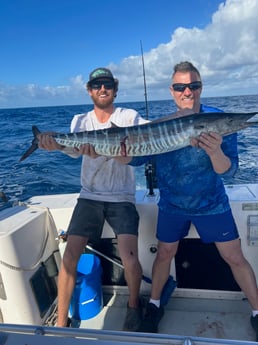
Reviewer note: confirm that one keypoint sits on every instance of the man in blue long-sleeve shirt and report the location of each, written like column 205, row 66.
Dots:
column 192, row 191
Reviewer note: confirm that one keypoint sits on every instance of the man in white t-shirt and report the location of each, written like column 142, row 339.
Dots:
column 107, row 193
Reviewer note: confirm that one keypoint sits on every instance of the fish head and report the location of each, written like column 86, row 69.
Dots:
column 223, row 123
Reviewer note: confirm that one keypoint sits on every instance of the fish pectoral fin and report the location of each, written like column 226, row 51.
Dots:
column 123, row 147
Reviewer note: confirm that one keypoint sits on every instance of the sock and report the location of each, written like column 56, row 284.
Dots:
column 156, row 302
column 254, row 313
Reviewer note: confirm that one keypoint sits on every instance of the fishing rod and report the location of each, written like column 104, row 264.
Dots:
column 149, row 166
column 145, row 88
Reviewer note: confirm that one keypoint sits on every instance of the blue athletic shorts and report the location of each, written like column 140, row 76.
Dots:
column 89, row 216
column 211, row 228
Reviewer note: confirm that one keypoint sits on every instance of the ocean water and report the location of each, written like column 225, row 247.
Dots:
column 54, row 173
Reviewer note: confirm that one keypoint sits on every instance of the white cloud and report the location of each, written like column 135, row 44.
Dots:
column 35, row 95
column 225, row 51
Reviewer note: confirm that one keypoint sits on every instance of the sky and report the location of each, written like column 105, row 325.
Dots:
column 49, row 47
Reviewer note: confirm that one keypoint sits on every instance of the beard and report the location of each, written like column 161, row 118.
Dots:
column 103, row 103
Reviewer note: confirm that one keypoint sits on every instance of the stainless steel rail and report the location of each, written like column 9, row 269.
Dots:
column 11, row 334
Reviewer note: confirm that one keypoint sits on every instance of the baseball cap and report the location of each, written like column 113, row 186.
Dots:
column 100, row 72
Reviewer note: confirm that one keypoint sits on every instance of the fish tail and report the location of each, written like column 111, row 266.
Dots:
column 34, row 144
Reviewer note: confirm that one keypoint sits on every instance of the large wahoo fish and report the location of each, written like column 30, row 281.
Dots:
column 162, row 135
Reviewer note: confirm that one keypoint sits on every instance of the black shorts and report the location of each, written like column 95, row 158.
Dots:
column 89, row 216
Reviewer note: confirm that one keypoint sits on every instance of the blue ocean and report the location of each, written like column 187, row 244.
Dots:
column 54, row 173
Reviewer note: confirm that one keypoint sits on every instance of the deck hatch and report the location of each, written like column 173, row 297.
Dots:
column 252, row 230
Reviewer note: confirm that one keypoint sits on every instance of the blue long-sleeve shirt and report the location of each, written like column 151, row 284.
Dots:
column 187, row 181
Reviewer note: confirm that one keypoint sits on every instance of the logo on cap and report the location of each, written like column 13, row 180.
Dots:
column 101, row 73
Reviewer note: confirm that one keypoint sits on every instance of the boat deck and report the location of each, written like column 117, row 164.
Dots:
column 194, row 314
column 188, row 317
column 187, row 321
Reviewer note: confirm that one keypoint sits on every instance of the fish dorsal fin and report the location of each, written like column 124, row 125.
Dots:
column 113, row 125
column 177, row 114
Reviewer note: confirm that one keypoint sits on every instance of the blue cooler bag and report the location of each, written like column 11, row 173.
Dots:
column 87, row 299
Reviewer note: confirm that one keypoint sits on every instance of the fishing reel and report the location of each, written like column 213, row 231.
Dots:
column 151, row 179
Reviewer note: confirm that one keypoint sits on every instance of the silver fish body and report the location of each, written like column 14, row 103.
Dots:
column 159, row 136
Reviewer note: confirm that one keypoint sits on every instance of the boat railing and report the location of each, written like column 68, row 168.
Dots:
column 34, row 335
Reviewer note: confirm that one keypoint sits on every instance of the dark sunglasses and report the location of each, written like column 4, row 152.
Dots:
column 108, row 84
column 194, row 85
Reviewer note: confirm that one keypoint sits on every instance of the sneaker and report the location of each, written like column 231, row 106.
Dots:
column 151, row 319
column 254, row 323
column 133, row 317
column 69, row 322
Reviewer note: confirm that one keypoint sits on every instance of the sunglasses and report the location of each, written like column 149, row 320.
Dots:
column 180, row 87
column 97, row 85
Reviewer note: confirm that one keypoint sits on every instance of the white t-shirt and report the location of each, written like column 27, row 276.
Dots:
column 104, row 178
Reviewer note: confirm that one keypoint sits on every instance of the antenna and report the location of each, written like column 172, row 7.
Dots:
column 145, row 89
